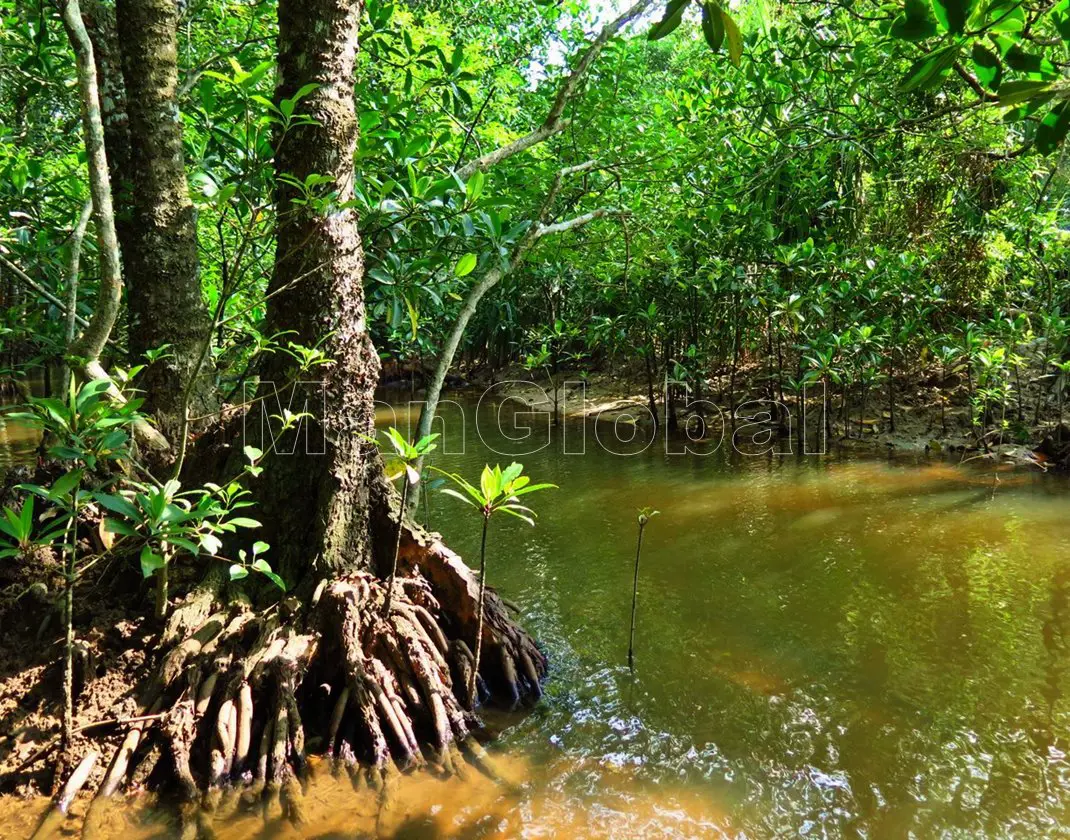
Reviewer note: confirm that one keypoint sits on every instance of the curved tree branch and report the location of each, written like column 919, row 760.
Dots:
column 555, row 121
column 94, row 338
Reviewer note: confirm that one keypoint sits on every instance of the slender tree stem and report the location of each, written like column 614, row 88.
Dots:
column 68, row 617
column 474, row 676
column 161, row 589
column 635, row 596
column 397, row 544
column 71, row 322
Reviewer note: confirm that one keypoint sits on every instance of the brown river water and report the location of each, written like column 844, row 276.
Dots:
column 826, row 647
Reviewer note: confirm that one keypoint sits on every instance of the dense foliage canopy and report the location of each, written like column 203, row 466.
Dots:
column 839, row 192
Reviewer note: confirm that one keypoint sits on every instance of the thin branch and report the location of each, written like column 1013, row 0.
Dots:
column 554, row 122
column 73, row 267
column 41, row 290
column 575, row 222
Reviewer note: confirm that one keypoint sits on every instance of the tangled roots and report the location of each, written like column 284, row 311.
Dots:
column 239, row 700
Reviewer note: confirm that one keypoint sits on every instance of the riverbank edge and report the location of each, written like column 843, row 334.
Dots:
column 931, row 415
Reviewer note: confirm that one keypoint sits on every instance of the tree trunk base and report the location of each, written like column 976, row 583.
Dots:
column 237, row 700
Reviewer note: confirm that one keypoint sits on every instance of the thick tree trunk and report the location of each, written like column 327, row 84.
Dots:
column 315, row 500
column 396, row 682
column 160, row 255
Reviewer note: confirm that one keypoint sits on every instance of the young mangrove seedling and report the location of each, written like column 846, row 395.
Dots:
column 645, row 515
column 408, row 454
column 499, row 490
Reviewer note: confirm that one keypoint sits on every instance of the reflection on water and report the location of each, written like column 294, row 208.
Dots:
column 825, row 647
column 18, row 439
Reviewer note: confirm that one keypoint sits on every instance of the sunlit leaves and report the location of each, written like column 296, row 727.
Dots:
column 735, row 39
column 499, row 490
column 1032, row 65
column 465, row 265
column 1060, row 18
column 474, row 188
column 999, row 24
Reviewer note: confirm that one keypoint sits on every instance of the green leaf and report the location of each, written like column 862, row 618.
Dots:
column 238, row 571
column 474, row 188
column 26, row 516
column 674, row 13
column 243, row 522
column 1018, row 59
column 465, row 265
column 186, row 545
column 986, row 67
column 211, row 543
column 488, row 483
column 735, row 39
column 90, row 392
column 512, row 473
column 916, row 23
column 1053, row 128
column 117, row 504
column 532, row 488
column 65, row 484
column 928, row 70
column 425, row 444
column 712, row 25
column 1060, row 17
column 518, row 515
column 1012, row 93
column 1006, row 16
column 150, row 562
column 952, row 14
column 10, row 530
column 262, row 566
column 117, row 526
column 449, row 491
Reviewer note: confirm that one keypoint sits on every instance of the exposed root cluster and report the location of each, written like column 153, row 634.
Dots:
column 239, row 699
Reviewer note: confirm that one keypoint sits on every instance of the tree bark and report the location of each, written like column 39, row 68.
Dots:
column 89, row 346
column 315, row 501
column 100, row 23
column 160, row 255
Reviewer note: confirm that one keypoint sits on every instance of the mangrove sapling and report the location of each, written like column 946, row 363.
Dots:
column 645, row 515
column 499, row 490
column 88, row 430
column 408, row 454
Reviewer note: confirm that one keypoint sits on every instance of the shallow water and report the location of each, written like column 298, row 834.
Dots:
column 826, row 647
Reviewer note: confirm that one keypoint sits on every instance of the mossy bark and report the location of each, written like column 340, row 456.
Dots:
column 315, row 498
column 160, row 253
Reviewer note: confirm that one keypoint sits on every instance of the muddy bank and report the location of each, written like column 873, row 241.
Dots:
column 930, row 415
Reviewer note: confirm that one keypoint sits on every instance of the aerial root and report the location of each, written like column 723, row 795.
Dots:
column 226, row 705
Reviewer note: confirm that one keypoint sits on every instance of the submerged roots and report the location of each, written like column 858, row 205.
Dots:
column 239, row 700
